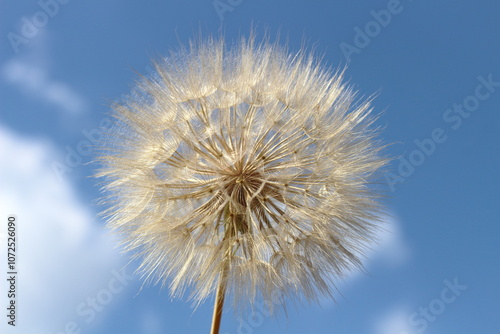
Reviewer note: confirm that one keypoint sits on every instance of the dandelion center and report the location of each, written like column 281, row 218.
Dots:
column 244, row 186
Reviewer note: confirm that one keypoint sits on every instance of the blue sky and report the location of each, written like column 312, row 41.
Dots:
column 436, row 68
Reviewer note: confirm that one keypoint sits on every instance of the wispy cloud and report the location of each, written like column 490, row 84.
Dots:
column 392, row 248
column 394, row 321
column 36, row 82
column 151, row 321
column 63, row 255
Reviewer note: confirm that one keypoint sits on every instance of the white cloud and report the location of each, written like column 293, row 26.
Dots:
column 394, row 322
column 151, row 322
column 63, row 256
column 35, row 81
column 391, row 247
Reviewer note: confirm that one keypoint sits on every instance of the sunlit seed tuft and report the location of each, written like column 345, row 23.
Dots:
column 247, row 160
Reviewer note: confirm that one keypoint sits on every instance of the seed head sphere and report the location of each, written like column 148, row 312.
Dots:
column 243, row 162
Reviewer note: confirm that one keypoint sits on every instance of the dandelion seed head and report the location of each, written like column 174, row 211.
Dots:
column 247, row 160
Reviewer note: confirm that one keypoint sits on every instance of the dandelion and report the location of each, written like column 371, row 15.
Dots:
column 247, row 171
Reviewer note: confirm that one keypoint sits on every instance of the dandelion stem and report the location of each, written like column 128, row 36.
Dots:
column 229, row 232
column 219, row 302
